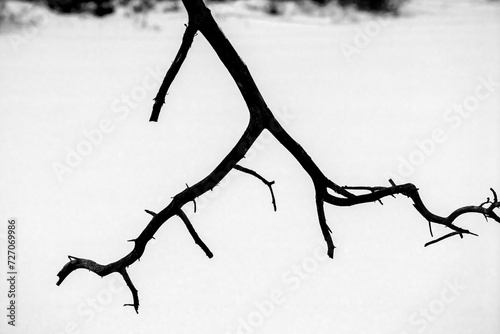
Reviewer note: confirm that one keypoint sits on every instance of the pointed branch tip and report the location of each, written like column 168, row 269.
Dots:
column 150, row 212
column 495, row 198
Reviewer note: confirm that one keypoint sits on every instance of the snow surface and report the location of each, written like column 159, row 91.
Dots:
column 358, row 105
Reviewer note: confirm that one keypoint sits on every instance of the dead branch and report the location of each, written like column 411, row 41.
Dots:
column 187, row 40
column 193, row 233
column 261, row 118
column 174, row 208
column 269, row 184
column 135, row 294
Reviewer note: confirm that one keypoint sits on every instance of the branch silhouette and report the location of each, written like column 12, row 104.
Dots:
column 261, row 119
column 269, row 184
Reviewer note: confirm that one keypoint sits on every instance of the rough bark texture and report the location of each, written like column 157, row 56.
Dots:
column 261, row 118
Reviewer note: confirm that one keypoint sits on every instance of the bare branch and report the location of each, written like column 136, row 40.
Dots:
column 495, row 198
column 485, row 202
column 194, row 201
column 325, row 229
column 135, row 295
column 193, row 233
column 362, row 188
column 150, row 212
column 257, row 175
column 187, row 195
column 445, row 237
column 371, row 189
column 187, row 40
column 411, row 191
column 261, row 118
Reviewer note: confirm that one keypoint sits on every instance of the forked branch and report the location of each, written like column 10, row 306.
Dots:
column 261, row 118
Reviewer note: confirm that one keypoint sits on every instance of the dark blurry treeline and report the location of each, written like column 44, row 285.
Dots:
column 105, row 7
column 388, row 6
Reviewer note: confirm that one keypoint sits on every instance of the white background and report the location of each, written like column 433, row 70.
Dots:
column 358, row 116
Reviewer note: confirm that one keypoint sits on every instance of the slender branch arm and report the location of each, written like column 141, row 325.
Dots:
column 193, row 233
column 411, row 191
column 269, row 184
column 174, row 208
column 298, row 152
column 325, row 229
column 443, row 237
column 187, row 40
column 135, row 294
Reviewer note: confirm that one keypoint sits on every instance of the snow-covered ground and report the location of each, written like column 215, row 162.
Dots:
column 415, row 98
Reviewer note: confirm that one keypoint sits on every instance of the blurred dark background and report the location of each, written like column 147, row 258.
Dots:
column 105, row 7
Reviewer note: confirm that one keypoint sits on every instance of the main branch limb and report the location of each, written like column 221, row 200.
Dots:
column 261, row 118
column 174, row 208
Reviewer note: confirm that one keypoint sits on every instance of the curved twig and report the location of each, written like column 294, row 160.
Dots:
column 269, row 184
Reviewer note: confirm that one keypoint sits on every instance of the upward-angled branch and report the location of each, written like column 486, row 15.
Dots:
column 261, row 118
column 187, row 40
column 174, row 208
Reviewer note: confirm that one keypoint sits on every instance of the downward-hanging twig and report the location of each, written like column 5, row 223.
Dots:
column 193, row 233
column 261, row 118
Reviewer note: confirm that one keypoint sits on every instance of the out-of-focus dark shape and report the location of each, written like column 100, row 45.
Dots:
column 389, row 6
column 96, row 7
column 105, row 7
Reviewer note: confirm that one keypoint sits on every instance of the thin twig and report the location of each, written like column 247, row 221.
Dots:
column 193, row 233
column 325, row 229
column 442, row 238
column 269, row 184
column 187, row 40
column 194, row 201
column 150, row 212
column 495, row 198
column 135, row 295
